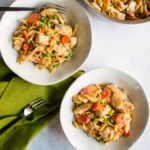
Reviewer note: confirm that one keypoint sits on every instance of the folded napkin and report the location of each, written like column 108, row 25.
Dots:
column 15, row 94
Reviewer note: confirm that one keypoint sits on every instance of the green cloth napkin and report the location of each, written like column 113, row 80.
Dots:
column 15, row 94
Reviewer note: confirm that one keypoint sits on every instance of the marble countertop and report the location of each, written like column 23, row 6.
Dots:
column 125, row 47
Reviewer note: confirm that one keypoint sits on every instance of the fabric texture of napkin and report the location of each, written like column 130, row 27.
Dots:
column 15, row 94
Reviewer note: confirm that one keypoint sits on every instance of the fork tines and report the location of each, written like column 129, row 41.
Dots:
column 59, row 8
column 37, row 103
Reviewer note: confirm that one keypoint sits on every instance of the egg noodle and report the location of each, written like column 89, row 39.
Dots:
column 123, row 9
column 46, row 39
column 103, row 111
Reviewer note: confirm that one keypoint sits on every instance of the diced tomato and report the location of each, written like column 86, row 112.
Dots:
column 34, row 18
column 43, row 30
column 127, row 134
column 120, row 119
column 26, row 46
column 65, row 39
column 83, row 119
column 95, row 106
column 106, row 93
column 25, row 34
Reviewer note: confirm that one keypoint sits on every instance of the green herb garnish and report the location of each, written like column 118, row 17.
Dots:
column 123, row 11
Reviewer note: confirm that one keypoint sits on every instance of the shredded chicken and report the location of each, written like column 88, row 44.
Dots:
column 103, row 110
column 42, row 39
column 81, row 109
column 107, row 133
column 73, row 41
column 63, row 29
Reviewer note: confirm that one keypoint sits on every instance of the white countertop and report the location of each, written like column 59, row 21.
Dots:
column 126, row 47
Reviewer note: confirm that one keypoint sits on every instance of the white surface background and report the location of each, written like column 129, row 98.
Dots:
column 126, row 47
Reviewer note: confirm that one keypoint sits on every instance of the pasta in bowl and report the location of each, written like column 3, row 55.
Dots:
column 46, row 39
column 106, row 104
column 55, row 66
column 103, row 112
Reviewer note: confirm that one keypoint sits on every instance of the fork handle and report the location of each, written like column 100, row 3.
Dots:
column 10, row 125
column 17, row 8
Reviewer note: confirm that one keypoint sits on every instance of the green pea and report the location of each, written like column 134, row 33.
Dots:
column 107, row 119
column 69, row 56
column 42, row 25
column 49, row 25
column 44, row 19
column 110, row 115
column 55, row 65
column 47, row 33
column 48, row 55
column 56, row 17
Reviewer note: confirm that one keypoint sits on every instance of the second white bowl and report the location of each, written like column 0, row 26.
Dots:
column 105, row 75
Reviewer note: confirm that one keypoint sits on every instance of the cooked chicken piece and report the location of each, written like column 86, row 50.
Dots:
column 83, row 108
column 61, row 49
column 18, row 44
column 42, row 39
column 63, row 29
column 132, row 6
column 107, row 133
column 128, row 107
column 127, row 122
column 103, row 110
column 73, row 41
column 120, row 102
column 117, row 101
column 117, row 14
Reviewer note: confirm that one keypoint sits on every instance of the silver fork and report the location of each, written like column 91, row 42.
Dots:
column 26, row 113
column 59, row 8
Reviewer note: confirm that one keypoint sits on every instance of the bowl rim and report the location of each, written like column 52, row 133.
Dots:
column 117, row 70
column 70, row 74
column 131, row 22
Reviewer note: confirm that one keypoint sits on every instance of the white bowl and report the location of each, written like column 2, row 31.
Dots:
column 77, row 137
column 28, row 71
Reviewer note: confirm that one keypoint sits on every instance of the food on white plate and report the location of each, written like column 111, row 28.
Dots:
column 103, row 111
column 123, row 9
column 45, row 38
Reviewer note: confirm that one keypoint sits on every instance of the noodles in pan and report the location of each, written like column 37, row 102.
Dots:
column 123, row 9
